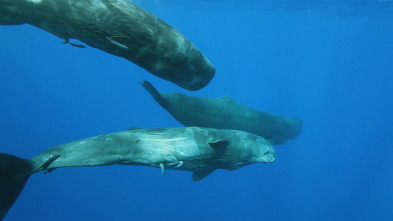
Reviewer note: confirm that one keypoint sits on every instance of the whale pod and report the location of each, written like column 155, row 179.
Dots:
column 118, row 27
column 225, row 113
column 201, row 150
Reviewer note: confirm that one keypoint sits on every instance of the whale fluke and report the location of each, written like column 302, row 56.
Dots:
column 154, row 93
column 14, row 173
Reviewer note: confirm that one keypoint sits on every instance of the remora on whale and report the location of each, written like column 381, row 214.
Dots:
column 118, row 27
column 201, row 150
column 225, row 113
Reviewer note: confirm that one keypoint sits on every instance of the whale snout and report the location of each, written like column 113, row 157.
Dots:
column 201, row 71
column 192, row 75
column 269, row 156
column 201, row 79
column 266, row 153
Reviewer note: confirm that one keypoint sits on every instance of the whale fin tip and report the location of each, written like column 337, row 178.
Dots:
column 219, row 144
column 162, row 168
column 226, row 98
column 154, row 93
column 199, row 174
column 14, row 173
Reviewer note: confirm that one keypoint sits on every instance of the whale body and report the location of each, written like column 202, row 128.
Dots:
column 201, row 150
column 118, row 27
column 225, row 113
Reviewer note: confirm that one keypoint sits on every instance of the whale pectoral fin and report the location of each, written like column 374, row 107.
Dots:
column 202, row 173
column 162, row 168
column 219, row 144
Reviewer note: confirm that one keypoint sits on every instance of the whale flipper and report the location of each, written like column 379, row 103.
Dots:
column 202, row 173
column 219, row 144
column 14, row 173
column 162, row 168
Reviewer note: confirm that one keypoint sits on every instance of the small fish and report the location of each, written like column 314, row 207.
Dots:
column 67, row 41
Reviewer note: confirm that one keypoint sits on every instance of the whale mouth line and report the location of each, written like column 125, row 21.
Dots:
column 266, row 153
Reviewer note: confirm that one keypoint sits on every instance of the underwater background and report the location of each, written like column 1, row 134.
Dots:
column 329, row 63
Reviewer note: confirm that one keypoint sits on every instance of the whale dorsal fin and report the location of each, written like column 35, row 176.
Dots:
column 134, row 128
column 202, row 173
column 219, row 144
column 226, row 98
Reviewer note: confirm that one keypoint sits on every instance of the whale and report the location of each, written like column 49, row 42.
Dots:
column 196, row 149
column 118, row 27
column 225, row 113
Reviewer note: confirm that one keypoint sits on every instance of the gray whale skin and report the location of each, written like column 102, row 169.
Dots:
column 201, row 150
column 225, row 113
column 118, row 27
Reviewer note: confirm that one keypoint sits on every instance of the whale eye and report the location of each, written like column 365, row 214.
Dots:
column 266, row 153
column 108, row 139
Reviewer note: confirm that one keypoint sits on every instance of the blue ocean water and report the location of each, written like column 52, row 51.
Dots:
column 329, row 63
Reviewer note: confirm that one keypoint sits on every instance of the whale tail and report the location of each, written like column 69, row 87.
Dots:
column 14, row 173
column 154, row 93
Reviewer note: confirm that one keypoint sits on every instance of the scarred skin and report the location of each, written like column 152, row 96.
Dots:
column 225, row 113
column 185, row 148
column 201, row 150
column 118, row 27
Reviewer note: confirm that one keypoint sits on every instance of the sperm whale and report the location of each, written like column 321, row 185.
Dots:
column 118, row 27
column 200, row 150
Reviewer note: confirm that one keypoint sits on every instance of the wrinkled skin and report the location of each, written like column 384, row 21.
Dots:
column 186, row 148
column 118, row 27
column 201, row 150
column 225, row 113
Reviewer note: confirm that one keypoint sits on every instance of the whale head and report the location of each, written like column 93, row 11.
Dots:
column 178, row 60
column 253, row 149
column 189, row 69
column 236, row 149
column 262, row 151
